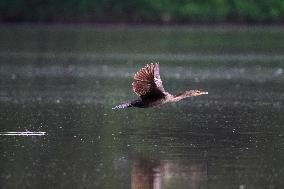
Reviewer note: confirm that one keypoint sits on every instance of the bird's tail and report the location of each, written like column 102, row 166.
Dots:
column 125, row 105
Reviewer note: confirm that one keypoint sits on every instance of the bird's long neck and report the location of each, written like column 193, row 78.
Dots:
column 179, row 97
column 183, row 95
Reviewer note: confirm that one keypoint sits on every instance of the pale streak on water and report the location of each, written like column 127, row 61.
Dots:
column 88, row 69
column 24, row 133
column 149, row 56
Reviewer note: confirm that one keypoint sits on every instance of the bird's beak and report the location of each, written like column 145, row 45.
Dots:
column 203, row 92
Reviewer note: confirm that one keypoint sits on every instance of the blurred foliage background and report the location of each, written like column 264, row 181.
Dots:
column 157, row 11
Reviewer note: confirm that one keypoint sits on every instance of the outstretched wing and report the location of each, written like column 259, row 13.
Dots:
column 147, row 82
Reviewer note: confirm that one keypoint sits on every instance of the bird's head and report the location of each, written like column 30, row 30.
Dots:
column 195, row 93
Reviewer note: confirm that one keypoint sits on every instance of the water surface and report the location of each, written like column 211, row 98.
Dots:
column 64, row 80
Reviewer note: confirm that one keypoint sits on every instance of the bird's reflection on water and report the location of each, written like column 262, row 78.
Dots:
column 146, row 174
column 149, row 174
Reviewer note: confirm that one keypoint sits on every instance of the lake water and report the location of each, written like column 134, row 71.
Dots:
column 63, row 80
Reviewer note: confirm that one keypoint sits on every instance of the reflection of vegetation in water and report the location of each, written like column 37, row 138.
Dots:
column 129, row 40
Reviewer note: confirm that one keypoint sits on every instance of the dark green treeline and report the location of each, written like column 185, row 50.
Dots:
column 142, row 10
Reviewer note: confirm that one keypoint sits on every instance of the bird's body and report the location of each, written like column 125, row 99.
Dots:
column 148, row 85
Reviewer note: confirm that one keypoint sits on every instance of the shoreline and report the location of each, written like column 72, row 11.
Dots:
column 149, row 26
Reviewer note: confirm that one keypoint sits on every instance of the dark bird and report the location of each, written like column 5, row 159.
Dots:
column 148, row 85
